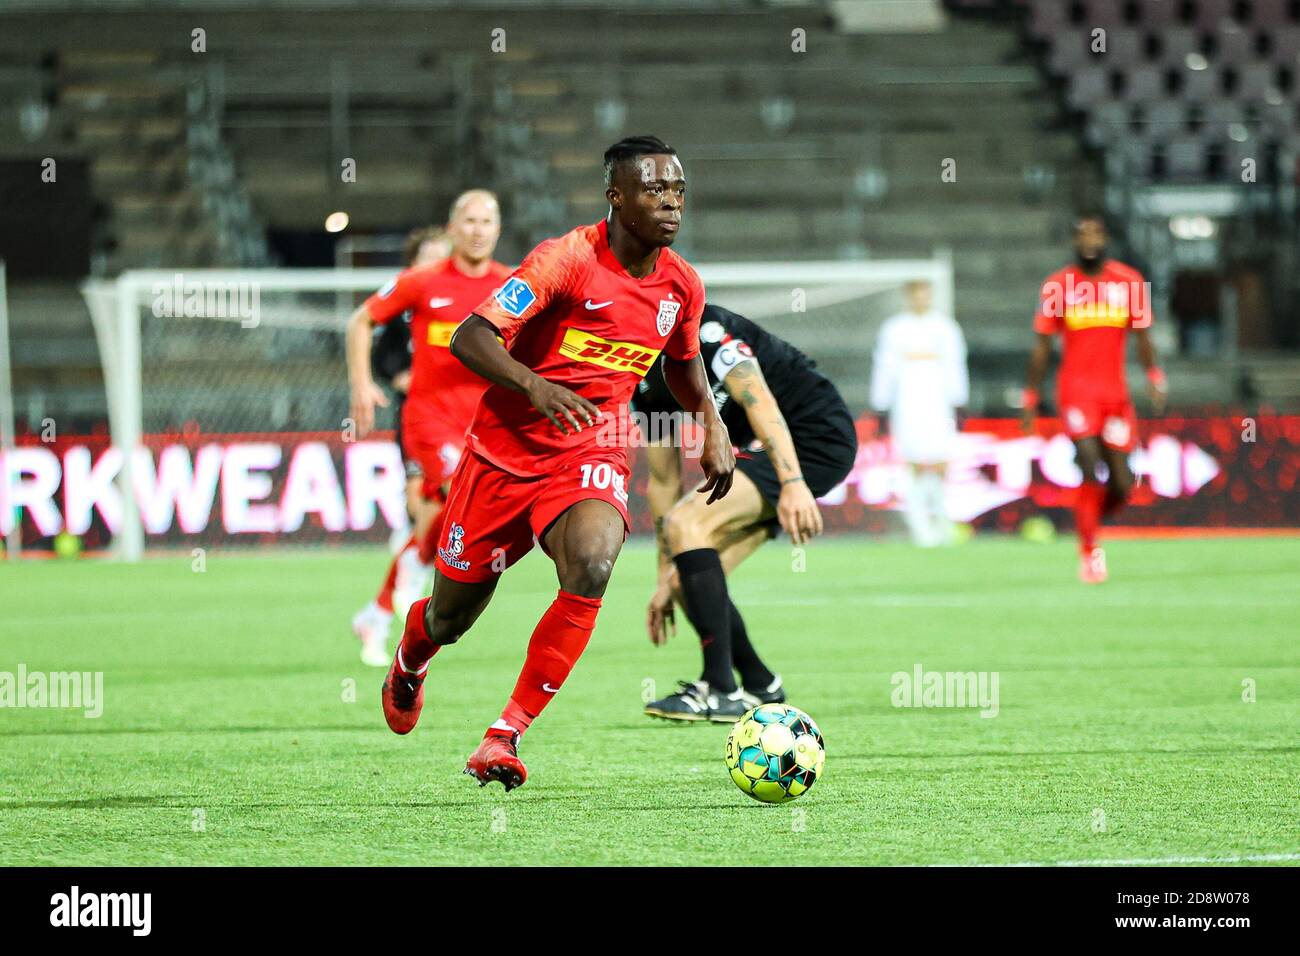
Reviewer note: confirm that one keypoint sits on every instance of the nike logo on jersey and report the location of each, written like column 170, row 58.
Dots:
column 436, row 303
column 593, row 306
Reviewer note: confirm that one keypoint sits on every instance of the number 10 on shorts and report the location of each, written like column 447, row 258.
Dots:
column 603, row 475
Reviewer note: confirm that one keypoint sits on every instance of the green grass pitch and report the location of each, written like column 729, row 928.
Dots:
column 229, row 737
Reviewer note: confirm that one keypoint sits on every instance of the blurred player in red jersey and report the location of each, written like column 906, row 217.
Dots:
column 390, row 363
column 1093, row 303
column 582, row 320
column 441, row 395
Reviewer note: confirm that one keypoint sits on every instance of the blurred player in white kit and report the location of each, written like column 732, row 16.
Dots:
column 919, row 377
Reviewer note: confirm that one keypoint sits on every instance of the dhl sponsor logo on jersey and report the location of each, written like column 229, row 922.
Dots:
column 1094, row 315
column 620, row 356
column 440, row 333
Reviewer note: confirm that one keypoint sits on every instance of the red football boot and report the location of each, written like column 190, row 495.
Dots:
column 403, row 696
column 497, row 758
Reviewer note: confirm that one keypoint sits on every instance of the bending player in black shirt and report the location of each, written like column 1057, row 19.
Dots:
column 796, row 442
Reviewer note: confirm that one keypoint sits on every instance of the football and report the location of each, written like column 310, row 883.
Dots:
column 775, row 753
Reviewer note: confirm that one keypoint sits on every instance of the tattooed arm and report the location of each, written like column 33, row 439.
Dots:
column 797, row 508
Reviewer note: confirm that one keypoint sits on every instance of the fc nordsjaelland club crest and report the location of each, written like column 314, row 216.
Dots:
column 667, row 315
column 455, row 540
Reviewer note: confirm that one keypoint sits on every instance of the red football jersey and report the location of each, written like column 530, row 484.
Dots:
column 1093, row 313
column 574, row 315
column 443, row 391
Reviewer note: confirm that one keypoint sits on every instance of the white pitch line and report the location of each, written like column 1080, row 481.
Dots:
column 1155, row 861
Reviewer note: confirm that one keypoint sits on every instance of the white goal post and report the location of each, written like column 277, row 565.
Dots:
column 258, row 350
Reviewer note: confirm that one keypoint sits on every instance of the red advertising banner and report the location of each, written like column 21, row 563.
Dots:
column 1202, row 472
column 307, row 488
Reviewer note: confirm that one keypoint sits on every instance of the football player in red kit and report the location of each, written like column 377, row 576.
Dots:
column 440, row 398
column 1093, row 303
column 564, row 342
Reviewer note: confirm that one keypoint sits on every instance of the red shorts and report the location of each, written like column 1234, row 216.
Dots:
column 437, row 457
column 493, row 518
column 1114, row 422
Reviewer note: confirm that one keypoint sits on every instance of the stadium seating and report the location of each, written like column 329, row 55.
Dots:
column 827, row 154
column 1214, row 63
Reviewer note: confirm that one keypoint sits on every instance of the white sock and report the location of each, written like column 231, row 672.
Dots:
column 932, row 491
column 916, row 513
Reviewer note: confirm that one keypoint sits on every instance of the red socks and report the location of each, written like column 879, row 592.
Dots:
column 1093, row 502
column 557, row 642
column 1087, row 514
column 416, row 649
column 385, row 597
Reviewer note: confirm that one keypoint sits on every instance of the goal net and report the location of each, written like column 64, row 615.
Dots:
column 231, row 388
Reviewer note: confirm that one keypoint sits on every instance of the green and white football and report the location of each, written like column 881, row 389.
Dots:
column 775, row 753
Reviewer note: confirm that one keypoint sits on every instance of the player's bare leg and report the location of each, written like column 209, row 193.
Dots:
column 699, row 535
column 1119, row 480
column 584, row 543
column 431, row 624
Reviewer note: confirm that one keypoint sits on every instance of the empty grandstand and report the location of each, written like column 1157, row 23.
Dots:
column 843, row 130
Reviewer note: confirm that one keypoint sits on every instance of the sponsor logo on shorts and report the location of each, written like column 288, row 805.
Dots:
column 515, row 297
column 455, row 547
column 450, row 455
column 620, row 356
column 440, row 333
column 1075, row 420
column 1115, row 431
